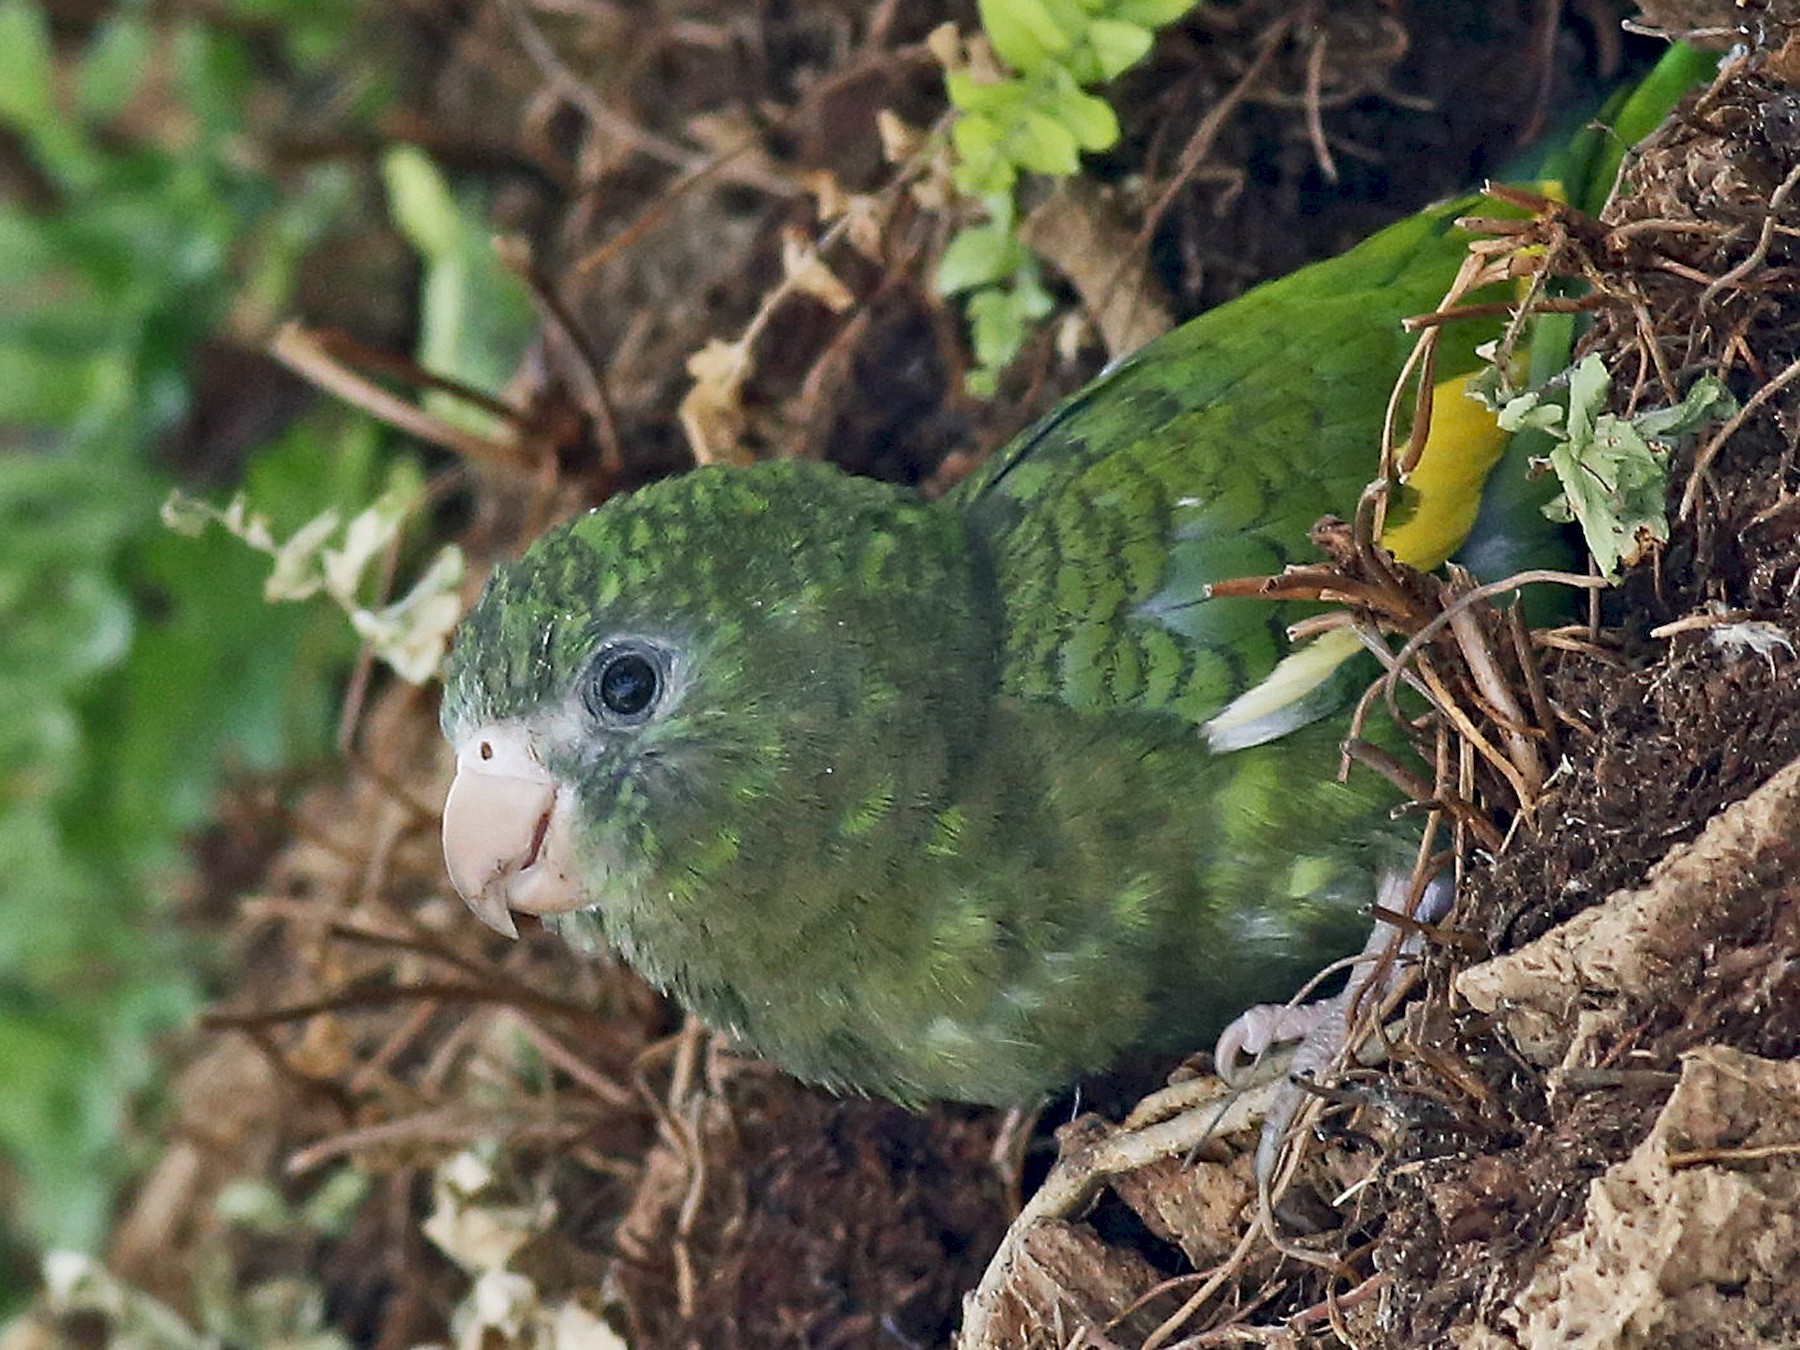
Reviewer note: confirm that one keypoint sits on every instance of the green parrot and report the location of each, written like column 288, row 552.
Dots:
column 962, row 799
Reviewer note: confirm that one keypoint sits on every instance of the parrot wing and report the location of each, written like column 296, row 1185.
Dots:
column 1208, row 455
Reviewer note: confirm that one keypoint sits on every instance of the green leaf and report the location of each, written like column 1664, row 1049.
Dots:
column 1115, row 46
column 475, row 317
column 999, row 317
column 997, row 327
column 983, row 168
column 1589, row 386
column 1151, row 13
column 1000, row 100
column 1614, row 486
column 420, row 202
column 1029, row 295
column 26, row 64
column 112, row 70
column 28, row 96
column 39, row 388
column 1707, row 401
column 1089, row 120
column 1613, row 470
column 976, row 256
column 1025, row 33
column 213, row 73
column 1044, row 145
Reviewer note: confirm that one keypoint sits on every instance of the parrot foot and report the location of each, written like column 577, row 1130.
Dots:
column 1322, row 1029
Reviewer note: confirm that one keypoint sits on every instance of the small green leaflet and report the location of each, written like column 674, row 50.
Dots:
column 1613, row 470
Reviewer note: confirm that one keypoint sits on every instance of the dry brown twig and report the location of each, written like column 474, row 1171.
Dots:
column 326, row 359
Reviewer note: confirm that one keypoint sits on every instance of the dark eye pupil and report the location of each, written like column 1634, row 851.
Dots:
column 628, row 684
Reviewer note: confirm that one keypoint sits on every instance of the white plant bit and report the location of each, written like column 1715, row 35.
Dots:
column 410, row 634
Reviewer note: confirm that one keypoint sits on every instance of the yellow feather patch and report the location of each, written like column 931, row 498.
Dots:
column 1442, row 495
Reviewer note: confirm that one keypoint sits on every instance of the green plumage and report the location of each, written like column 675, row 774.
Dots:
column 922, row 806
column 925, row 810
column 1208, row 455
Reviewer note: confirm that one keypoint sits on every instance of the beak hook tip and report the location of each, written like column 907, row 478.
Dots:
column 492, row 910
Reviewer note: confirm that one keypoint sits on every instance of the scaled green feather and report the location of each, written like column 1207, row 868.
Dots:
column 920, row 804
column 1207, row 456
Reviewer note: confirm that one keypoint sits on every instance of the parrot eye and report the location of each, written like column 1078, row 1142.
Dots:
column 625, row 683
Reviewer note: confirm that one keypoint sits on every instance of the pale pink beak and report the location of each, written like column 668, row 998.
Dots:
column 506, row 831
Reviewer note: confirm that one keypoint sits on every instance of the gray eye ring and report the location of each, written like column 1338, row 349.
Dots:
column 626, row 683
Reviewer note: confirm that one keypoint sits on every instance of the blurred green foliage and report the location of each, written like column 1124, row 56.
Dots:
column 134, row 661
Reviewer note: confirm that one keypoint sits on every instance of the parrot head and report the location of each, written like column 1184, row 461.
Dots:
column 668, row 698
